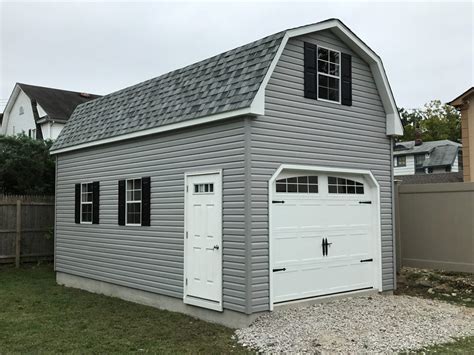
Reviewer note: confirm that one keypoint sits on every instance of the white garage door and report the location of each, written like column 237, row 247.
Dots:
column 323, row 234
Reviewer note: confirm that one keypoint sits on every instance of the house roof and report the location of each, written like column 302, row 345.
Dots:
column 441, row 156
column 430, row 178
column 58, row 104
column 459, row 101
column 409, row 147
column 227, row 85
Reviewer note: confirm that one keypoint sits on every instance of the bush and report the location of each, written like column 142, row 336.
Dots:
column 26, row 168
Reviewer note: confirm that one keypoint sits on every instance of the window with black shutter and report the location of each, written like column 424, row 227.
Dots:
column 86, row 206
column 327, row 74
column 134, row 202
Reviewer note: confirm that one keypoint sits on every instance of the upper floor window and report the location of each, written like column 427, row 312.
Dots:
column 300, row 184
column 419, row 160
column 329, row 74
column 134, row 201
column 400, row 161
column 337, row 185
column 21, row 110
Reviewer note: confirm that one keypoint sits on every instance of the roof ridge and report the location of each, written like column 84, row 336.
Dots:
column 55, row 89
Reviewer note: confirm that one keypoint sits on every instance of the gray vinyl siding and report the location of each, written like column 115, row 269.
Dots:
column 296, row 130
column 151, row 258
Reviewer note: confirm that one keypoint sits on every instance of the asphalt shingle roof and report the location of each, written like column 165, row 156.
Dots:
column 226, row 82
column 58, row 104
column 441, row 156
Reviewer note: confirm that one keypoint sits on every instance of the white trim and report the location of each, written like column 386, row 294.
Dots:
column 217, row 306
column 328, row 75
column 165, row 128
column 86, row 203
column 378, row 234
column 126, row 202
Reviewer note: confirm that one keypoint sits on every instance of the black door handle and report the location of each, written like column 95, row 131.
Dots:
column 325, row 244
column 281, row 269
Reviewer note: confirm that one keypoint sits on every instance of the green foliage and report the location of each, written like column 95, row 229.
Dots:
column 26, row 168
column 435, row 121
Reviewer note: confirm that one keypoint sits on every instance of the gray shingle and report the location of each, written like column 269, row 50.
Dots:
column 441, row 156
column 425, row 147
column 228, row 81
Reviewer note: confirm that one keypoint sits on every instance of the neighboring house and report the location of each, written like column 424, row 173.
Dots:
column 39, row 112
column 465, row 103
column 417, row 157
column 256, row 177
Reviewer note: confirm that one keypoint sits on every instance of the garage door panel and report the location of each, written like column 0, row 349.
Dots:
column 302, row 222
column 297, row 248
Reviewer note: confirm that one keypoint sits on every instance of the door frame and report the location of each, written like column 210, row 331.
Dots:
column 324, row 169
column 217, row 306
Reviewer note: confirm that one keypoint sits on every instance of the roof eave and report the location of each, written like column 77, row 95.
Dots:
column 253, row 110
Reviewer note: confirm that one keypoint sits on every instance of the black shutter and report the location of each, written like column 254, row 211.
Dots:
column 121, row 202
column 310, row 72
column 146, row 201
column 77, row 211
column 346, row 79
column 95, row 202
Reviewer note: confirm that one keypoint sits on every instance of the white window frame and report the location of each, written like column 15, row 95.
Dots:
column 133, row 201
column 329, row 75
column 87, row 203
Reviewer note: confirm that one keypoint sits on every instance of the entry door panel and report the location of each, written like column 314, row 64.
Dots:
column 203, row 254
column 301, row 268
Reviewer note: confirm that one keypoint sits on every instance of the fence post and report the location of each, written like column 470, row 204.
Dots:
column 18, row 234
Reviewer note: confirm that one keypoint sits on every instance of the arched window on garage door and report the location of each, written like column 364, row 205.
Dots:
column 337, row 185
column 298, row 184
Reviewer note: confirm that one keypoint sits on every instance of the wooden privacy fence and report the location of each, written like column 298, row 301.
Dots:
column 26, row 228
column 435, row 226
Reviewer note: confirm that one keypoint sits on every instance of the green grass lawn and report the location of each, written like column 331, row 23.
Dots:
column 36, row 315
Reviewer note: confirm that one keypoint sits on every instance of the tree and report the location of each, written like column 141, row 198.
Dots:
column 26, row 166
column 435, row 121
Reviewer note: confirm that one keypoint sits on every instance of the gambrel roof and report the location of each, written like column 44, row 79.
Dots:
column 227, row 85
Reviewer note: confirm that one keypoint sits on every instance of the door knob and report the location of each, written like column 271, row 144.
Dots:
column 216, row 247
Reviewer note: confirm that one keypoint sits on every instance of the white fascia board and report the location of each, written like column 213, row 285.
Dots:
column 160, row 129
column 8, row 107
column 393, row 122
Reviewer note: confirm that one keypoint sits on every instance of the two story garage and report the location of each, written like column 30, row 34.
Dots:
column 257, row 177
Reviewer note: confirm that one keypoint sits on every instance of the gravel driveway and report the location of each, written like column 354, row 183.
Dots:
column 359, row 324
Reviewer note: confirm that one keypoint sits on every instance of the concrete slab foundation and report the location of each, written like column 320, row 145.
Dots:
column 227, row 318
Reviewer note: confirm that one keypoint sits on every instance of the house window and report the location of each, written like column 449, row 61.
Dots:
column 203, row 188
column 299, row 184
column 329, row 74
column 21, row 110
column 133, row 205
column 338, row 185
column 419, row 160
column 448, row 168
column 86, row 203
column 400, row 161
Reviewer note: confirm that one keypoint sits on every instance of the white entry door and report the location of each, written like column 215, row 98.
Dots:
column 203, row 240
column 323, row 235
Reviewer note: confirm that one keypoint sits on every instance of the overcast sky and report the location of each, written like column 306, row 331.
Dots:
column 101, row 47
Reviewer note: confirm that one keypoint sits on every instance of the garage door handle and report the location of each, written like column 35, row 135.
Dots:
column 366, row 260
column 282, row 269
column 366, row 202
column 278, row 201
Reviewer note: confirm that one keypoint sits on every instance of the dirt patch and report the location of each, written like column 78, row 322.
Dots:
column 452, row 287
